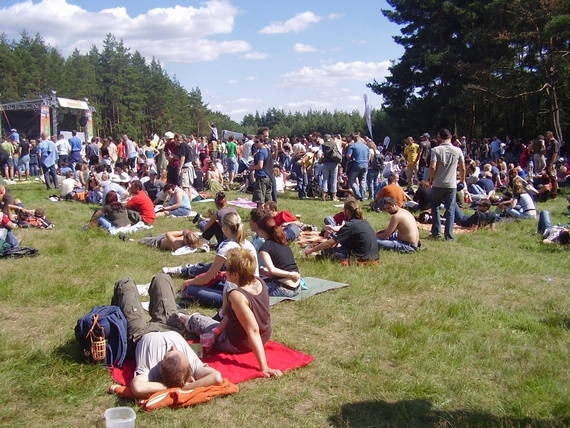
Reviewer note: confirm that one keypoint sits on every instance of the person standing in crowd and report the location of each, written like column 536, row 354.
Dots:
column 75, row 149
column 444, row 161
column 330, row 169
column 358, row 157
column 262, row 187
column 48, row 158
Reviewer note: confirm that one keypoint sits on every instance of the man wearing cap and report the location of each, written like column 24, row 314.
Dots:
column 186, row 169
column 423, row 163
column 14, row 135
column 108, row 184
column 172, row 151
column 48, row 158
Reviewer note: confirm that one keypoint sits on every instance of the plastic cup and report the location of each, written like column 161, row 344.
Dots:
column 120, row 417
column 207, row 341
column 298, row 216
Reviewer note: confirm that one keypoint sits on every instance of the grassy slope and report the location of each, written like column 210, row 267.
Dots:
column 471, row 333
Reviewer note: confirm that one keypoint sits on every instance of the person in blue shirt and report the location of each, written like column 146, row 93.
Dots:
column 75, row 153
column 263, row 186
column 358, row 156
column 47, row 153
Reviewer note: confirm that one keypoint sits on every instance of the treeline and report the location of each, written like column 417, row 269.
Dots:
column 479, row 67
column 135, row 97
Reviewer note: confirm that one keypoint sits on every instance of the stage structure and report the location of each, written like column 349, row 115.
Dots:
column 49, row 114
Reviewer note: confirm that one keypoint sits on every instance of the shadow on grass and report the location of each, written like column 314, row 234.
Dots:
column 420, row 414
column 558, row 321
column 70, row 351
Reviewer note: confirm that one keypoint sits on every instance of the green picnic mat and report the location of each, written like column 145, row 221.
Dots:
column 314, row 285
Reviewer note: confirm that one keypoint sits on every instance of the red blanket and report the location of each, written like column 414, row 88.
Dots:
column 234, row 367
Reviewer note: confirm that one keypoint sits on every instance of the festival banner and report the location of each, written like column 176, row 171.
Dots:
column 45, row 125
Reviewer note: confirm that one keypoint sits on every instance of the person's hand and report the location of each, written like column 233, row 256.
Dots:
column 112, row 389
column 271, row 372
column 307, row 251
column 295, row 276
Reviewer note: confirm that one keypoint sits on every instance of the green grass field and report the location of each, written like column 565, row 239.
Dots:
column 473, row 333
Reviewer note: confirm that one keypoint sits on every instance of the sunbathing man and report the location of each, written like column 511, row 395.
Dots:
column 402, row 232
column 163, row 357
column 172, row 241
column 480, row 218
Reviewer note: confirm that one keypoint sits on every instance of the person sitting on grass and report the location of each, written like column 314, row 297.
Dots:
column 112, row 215
column 140, row 207
column 401, row 234
column 211, row 226
column 179, row 203
column 283, row 278
column 480, row 218
column 246, row 325
column 291, row 226
column 197, row 287
column 521, row 206
column 172, row 241
column 6, row 231
column 163, row 357
column 392, row 190
column 357, row 239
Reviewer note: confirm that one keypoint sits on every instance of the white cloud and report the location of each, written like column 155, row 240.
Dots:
column 176, row 34
column 245, row 101
column 354, row 98
column 335, row 15
column 250, row 78
column 256, row 55
column 301, row 48
column 233, row 82
column 306, row 104
column 299, row 22
column 331, row 74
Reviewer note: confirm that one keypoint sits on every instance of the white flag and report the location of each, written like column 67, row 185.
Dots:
column 368, row 115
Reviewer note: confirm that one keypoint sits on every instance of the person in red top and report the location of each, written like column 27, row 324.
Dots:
column 172, row 150
column 291, row 226
column 140, row 206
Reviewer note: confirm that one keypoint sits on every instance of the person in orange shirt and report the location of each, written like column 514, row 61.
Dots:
column 393, row 190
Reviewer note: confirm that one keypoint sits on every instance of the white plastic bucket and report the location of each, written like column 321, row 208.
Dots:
column 120, row 417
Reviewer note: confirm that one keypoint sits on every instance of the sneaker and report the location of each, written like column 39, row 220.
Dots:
column 197, row 218
column 434, row 237
column 174, row 270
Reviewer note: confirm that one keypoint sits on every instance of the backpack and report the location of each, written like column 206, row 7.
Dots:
column 314, row 190
column 4, row 155
column 377, row 162
column 336, row 155
column 102, row 335
column 16, row 252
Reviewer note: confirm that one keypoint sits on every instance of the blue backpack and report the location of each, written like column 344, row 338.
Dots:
column 102, row 335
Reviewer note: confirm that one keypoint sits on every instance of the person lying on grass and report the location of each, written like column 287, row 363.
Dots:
column 552, row 234
column 199, row 287
column 172, row 241
column 480, row 218
column 163, row 357
column 246, row 325
column 291, row 226
column 356, row 237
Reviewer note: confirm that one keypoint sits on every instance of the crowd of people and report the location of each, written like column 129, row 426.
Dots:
column 138, row 183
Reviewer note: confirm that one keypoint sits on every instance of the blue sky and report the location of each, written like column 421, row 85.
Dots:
column 244, row 55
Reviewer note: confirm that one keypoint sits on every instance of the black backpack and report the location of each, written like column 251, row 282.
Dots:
column 377, row 162
column 314, row 190
column 102, row 335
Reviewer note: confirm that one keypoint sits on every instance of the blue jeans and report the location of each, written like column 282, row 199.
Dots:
column 275, row 288
column 518, row 213
column 330, row 172
column 302, row 183
column 543, row 221
column 372, row 180
column 191, row 271
column 358, row 172
column 104, row 223
column 447, row 196
column 395, row 244
column 180, row 212
column 50, row 171
column 206, row 296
